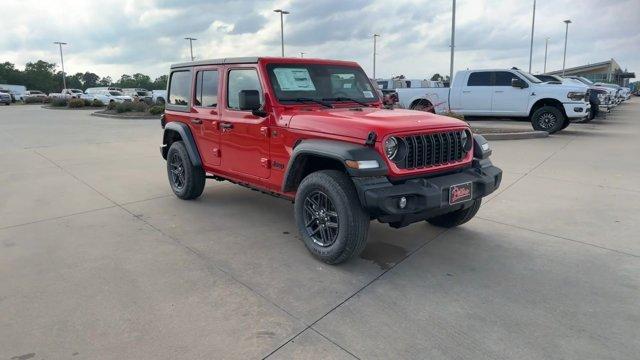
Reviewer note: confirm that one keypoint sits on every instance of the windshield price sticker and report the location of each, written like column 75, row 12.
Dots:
column 294, row 79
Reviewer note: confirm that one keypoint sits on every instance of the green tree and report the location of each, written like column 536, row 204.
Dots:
column 9, row 74
column 105, row 81
column 160, row 83
column 89, row 79
column 39, row 75
column 437, row 77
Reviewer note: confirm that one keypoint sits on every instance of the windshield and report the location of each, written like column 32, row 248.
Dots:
column 292, row 82
column 142, row 93
column 115, row 93
column 585, row 80
column 76, row 91
column 529, row 77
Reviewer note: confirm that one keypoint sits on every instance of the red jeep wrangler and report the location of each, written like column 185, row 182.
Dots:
column 313, row 131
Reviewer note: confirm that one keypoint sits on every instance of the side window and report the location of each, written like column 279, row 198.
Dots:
column 179, row 88
column 206, row 88
column 479, row 79
column 245, row 79
column 503, row 78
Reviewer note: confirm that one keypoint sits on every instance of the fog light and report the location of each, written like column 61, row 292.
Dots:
column 577, row 109
column 402, row 203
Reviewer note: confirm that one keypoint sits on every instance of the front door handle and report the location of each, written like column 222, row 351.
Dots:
column 499, row 91
column 466, row 91
column 226, row 126
column 196, row 121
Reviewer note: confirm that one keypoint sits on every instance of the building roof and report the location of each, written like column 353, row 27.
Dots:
column 587, row 67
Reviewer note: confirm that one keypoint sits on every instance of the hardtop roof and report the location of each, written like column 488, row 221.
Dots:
column 256, row 59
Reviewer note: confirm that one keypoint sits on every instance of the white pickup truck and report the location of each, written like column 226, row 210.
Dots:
column 506, row 93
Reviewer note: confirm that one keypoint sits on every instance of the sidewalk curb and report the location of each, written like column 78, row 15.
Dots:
column 516, row 135
column 125, row 117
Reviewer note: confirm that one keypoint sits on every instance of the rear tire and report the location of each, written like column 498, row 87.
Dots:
column 331, row 222
column 187, row 181
column 457, row 217
column 549, row 119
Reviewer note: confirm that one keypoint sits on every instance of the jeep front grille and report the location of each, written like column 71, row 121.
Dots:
column 432, row 149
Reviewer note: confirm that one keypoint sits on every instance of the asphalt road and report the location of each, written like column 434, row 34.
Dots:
column 99, row 261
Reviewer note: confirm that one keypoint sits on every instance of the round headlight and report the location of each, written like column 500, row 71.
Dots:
column 391, row 147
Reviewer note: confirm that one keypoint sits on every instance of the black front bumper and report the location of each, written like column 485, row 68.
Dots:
column 426, row 197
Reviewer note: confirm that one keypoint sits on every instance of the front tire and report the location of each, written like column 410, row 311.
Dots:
column 331, row 222
column 187, row 181
column 457, row 217
column 548, row 118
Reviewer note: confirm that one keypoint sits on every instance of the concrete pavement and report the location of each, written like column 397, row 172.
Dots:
column 99, row 260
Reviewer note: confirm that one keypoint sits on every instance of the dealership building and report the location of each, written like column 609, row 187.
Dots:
column 607, row 71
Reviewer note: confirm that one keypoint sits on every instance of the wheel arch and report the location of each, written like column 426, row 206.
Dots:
column 312, row 155
column 547, row 102
column 177, row 131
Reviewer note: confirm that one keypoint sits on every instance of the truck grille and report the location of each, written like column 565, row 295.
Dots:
column 432, row 149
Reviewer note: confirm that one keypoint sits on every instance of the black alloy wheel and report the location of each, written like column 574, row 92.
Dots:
column 320, row 218
column 176, row 166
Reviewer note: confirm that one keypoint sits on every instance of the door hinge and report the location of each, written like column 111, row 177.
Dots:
column 265, row 163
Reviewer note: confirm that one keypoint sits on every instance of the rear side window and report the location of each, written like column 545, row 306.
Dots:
column 207, row 88
column 479, row 79
column 503, row 78
column 245, row 79
column 179, row 88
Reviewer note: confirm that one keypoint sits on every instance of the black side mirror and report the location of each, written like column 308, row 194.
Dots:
column 518, row 83
column 250, row 100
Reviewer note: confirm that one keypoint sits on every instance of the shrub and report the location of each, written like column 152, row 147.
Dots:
column 33, row 100
column 76, row 103
column 97, row 103
column 156, row 109
column 59, row 102
column 87, row 102
column 112, row 105
column 131, row 106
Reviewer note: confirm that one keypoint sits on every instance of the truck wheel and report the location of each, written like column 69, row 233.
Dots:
column 566, row 123
column 332, row 224
column 457, row 217
column 186, row 180
column 547, row 118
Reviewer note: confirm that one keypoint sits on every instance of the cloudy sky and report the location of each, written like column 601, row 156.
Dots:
column 112, row 37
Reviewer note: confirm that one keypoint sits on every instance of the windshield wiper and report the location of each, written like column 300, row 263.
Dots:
column 305, row 99
column 344, row 98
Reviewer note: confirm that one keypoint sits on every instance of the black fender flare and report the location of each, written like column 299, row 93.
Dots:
column 186, row 136
column 340, row 151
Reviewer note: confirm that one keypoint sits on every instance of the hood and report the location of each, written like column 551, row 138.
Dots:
column 567, row 87
column 357, row 123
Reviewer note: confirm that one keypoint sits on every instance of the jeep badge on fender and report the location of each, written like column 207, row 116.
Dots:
column 314, row 132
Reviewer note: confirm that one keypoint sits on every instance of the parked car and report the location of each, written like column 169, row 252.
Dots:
column 33, row 94
column 16, row 91
column 598, row 97
column 93, row 90
column 158, row 96
column 619, row 96
column 67, row 94
column 107, row 96
column 5, row 97
column 138, row 94
column 611, row 93
column 313, row 131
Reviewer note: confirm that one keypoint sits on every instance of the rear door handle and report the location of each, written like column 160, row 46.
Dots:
column 499, row 91
column 466, row 91
column 196, row 121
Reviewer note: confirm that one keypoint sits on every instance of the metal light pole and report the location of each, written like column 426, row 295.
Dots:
column 64, row 77
column 282, row 13
column 453, row 41
column 566, row 34
column 546, row 44
column 375, row 36
column 191, row 45
column 302, row 54
column 533, row 24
